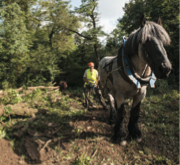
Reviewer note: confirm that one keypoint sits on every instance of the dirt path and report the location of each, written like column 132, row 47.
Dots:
column 69, row 135
column 7, row 156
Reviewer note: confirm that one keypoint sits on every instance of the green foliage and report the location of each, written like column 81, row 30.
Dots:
column 38, row 45
column 114, row 40
column 5, row 85
column 64, row 103
column 2, row 133
column 173, row 95
column 7, row 110
column 161, row 85
column 88, row 14
column 14, row 43
column 82, row 160
column 31, row 50
column 37, row 92
column 13, row 96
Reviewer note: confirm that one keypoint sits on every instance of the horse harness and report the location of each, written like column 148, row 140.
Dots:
column 109, row 70
column 127, row 70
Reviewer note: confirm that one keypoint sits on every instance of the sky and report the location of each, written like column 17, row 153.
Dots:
column 110, row 11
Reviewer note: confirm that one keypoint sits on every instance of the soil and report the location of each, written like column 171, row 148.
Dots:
column 7, row 156
column 85, row 139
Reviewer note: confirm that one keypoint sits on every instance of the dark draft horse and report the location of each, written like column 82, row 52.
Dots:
column 145, row 50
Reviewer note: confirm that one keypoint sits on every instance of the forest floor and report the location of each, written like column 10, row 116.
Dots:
column 62, row 132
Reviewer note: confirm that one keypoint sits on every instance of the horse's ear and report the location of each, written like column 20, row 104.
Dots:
column 159, row 21
column 142, row 21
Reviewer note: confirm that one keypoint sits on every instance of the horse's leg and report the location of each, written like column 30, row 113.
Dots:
column 133, row 127
column 119, row 130
column 101, row 99
column 112, row 117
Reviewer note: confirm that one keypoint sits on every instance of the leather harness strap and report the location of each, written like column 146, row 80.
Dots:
column 122, row 66
column 109, row 71
column 135, row 74
column 120, row 63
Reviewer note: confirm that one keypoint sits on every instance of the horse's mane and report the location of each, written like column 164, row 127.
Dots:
column 141, row 35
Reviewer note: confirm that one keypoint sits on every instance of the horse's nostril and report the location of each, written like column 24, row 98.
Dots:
column 164, row 69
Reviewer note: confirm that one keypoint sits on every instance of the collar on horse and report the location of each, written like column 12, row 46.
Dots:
column 127, row 70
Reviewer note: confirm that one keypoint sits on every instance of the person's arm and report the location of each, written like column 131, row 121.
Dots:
column 85, row 79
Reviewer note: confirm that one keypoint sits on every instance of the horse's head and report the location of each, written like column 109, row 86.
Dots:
column 152, row 38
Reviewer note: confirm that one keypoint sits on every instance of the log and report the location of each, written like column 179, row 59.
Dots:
column 93, row 155
column 43, row 87
column 30, row 88
column 34, row 134
column 19, row 110
column 45, row 145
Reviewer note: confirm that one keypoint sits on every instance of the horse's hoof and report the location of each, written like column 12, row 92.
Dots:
column 138, row 140
column 123, row 143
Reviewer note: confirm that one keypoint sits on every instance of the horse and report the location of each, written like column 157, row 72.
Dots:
column 144, row 56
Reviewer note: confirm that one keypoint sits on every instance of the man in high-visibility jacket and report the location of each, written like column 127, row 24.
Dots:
column 91, row 76
column 91, row 79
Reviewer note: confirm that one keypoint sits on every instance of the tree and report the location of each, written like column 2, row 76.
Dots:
column 34, row 39
column 89, row 16
column 14, row 42
column 52, row 39
column 114, row 41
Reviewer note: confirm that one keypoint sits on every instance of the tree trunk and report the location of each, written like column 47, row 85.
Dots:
column 97, row 55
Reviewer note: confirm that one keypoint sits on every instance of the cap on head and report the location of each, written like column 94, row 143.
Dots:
column 91, row 64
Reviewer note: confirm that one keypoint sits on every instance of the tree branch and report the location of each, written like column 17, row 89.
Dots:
column 79, row 34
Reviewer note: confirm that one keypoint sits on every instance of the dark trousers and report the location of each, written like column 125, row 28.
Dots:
column 98, row 93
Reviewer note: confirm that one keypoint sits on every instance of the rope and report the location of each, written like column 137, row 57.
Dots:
column 109, row 74
column 114, row 70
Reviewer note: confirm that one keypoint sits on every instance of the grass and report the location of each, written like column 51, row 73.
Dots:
column 159, row 123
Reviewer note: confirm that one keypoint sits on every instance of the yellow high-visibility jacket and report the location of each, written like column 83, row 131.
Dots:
column 91, row 78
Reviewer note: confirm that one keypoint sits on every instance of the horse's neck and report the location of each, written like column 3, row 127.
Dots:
column 141, row 67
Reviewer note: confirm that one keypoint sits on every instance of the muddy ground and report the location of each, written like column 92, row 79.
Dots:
column 75, row 136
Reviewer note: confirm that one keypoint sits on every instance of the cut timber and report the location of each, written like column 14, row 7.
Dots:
column 3, row 93
column 40, row 87
column 20, row 109
column 35, row 134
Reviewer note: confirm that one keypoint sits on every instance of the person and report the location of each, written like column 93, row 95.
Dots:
column 91, row 76
column 91, row 79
